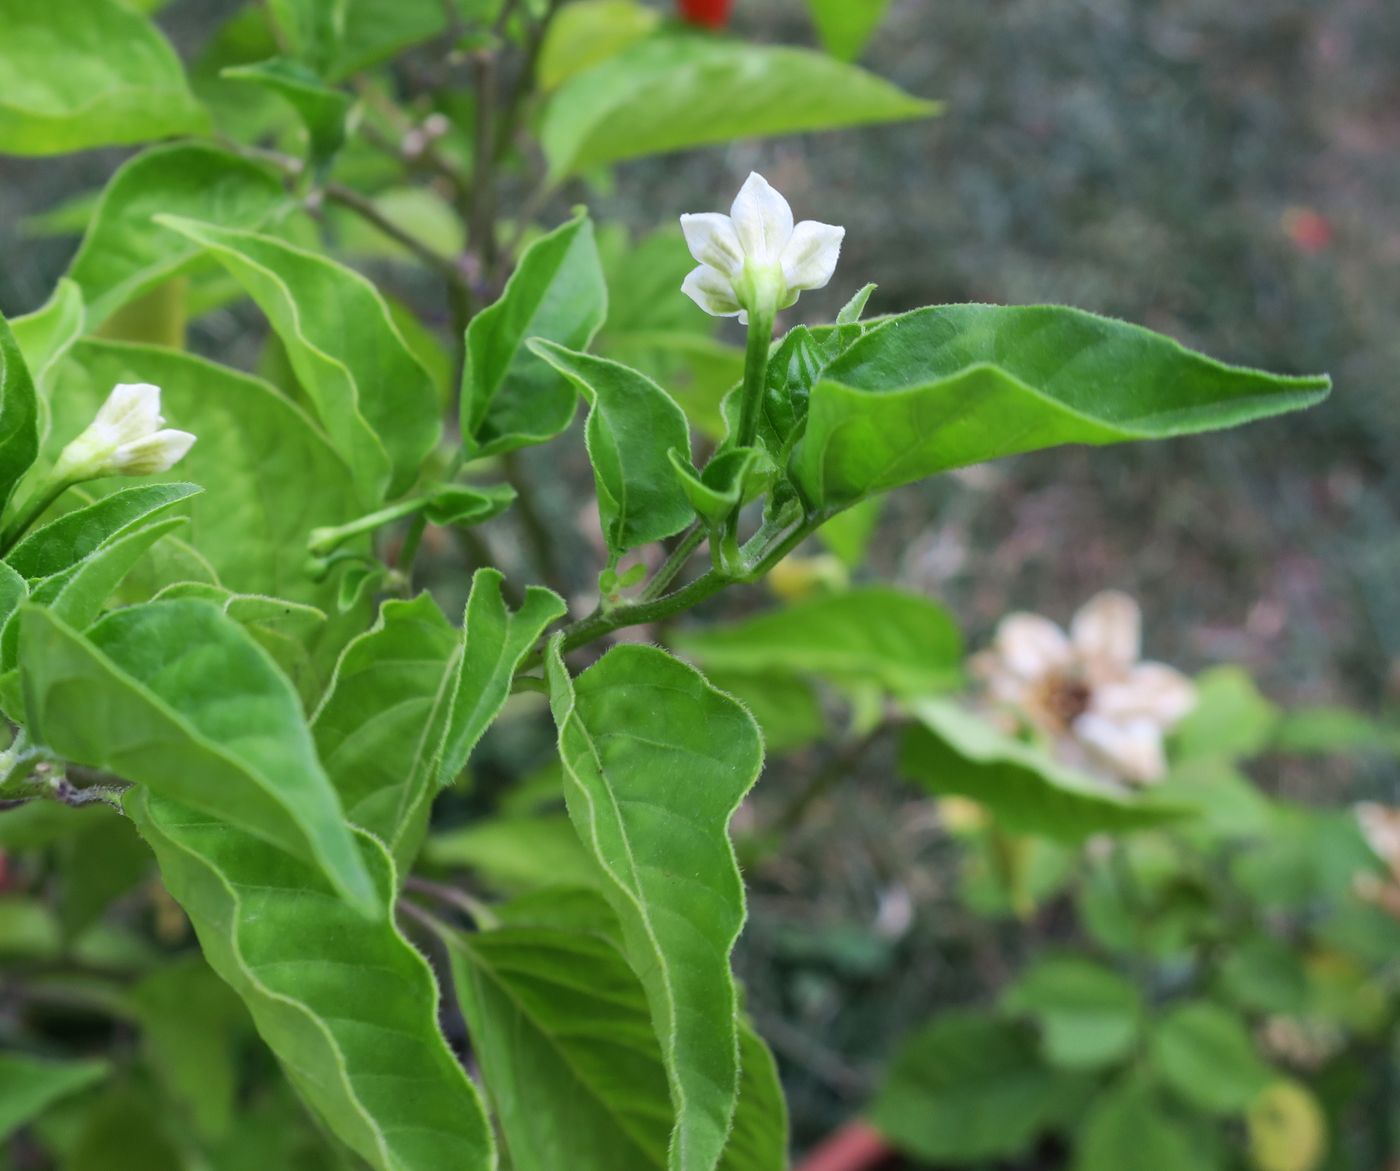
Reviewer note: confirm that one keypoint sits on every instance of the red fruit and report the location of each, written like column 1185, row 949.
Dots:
column 710, row 13
column 1309, row 230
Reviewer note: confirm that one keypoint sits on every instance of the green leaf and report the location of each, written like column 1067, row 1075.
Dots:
column 373, row 396
column 1230, row 721
column 380, row 727
column 75, row 74
column 411, row 698
column 19, row 415
column 1088, row 1014
column 655, row 763
column 848, row 533
column 125, row 253
column 871, row 634
column 732, row 478
column 176, row 696
column 125, row 1131
column 191, row 1026
column 678, row 90
column 29, row 1086
column 511, row 397
column 584, row 33
column 786, row 707
column 954, row 385
column 345, row 1002
column 845, row 26
column 354, row 34
column 573, row 1065
column 516, row 854
column 62, row 544
column 1264, row 974
column 321, row 109
column 950, row 751
column 1328, row 729
column 77, row 597
column 1127, row 1128
column 250, row 437
column 632, row 427
column 48, row 333
column 1204, row 1052
column 966, row 1088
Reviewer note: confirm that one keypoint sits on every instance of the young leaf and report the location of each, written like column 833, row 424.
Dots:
column 967, row 1089
column 954, row 385
column 846, row 25
column 374, row 398
column 19, row 415
column 125, row 253
column 584, row 33
column 62, row 544
column 632, row 427
column 75, row 74
column 511, row 397
column 250, row 437
column 679, row 90
column 29, row 1085
column 321, row 109
column 951, row 751
column 731, row 478
column 655, row 763
column 872, row 634
column 346, row 1004
column 1205, row 1053
column 48, row 333
column 175, row 696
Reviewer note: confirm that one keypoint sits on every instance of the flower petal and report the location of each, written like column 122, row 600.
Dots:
column 131, row 411
column 762, row 219
column 711, row 290
column 811, row 255
column 712, row 240
column 151, row 453
column 1032, row 646
column 1380, row 826
column 1151, row 690
column 1131, row 748
column 1107, row 632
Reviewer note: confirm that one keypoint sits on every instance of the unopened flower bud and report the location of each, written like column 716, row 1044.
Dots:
column 125, row 439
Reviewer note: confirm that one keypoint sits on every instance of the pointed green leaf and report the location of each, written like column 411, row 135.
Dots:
column 48, row 333
column 1088, row 1014
column 19, row 415
column 949, row 750
column 175, row 696
column 321, row 108
column 872, row 634
column 75, row 74
column 373, row 396
column 62, row 544
column 125, row 253
column 511, row 397
column 589, row 31
column 29, row 1085
column 1127, row 1127
column 954, row 385
column 655, row 763
column 678, row 90
column 250, row 437
column 632, row 427
column 846, row 25
column 731, row 478
column 345, row 1002
column 569, row 1054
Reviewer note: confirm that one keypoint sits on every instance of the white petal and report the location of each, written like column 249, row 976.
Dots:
column 811, row 255
column 1107, row 632
column 712, row 240
column 152, row 453
column 1032, row 646
column 711, row 290
column 1380, row 827
column 1152, row 690
column 1131, row 748
column 763, row 220
column 131, row 411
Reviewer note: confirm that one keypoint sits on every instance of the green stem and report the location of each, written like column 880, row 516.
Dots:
column 760, row 341
column 39, row 503
column 324, row 540
column 674, row 562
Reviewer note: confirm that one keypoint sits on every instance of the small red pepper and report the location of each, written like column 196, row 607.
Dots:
column 710, row 13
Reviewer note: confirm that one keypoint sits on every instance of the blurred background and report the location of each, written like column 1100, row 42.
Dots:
column 1226, row 173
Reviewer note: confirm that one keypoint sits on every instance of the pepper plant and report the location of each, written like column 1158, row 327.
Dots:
column 231, row 669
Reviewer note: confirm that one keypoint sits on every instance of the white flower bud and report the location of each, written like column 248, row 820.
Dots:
column 754, row 259
column 125, row 439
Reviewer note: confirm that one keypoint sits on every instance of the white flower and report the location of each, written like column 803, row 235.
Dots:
column 1087, row 690
column 125, row 439
column 754, row 259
